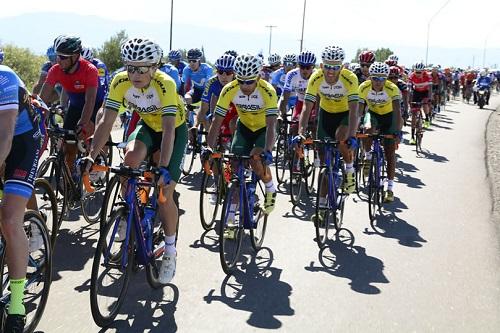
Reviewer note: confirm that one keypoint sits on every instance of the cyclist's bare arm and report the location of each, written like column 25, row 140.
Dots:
column 39, row 84
column 270, row 132
column 103, row 128
column 88, row 107
column 167, row 139
column 47, row 93
column 213, row 132
column 396, row 108
column 304, row 117
column 284, row 103
column 353, row 118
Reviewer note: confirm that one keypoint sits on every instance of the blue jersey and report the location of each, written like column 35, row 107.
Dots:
column 278, row 80
column 103, row 73
column 45, row 67
column 180, row 67
column 14, row 96
column 198, row 78
column 484, row 81
column 212, row 88
column 173, row 72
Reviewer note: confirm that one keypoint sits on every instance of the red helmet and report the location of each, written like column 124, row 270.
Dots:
column 394, row 71
column 366, row 57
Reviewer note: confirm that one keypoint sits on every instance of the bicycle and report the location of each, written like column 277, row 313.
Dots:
column 39, row 272
column 46, row 204
column 143, row 243
column 376, row 176
column 194, row 143
column 248, row 214
column 302, row 169
column 283, row 149
column 417, row 119
column 330, row 213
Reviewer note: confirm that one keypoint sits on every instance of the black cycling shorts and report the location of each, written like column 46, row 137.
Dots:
column 74, row 113
column 196, row 96
column 420, row 96
column 22, row 163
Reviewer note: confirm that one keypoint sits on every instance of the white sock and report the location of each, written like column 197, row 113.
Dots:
column 390, row 185
column 170, row 245
column 270, row 187
column 349, row 168
column 368, row 155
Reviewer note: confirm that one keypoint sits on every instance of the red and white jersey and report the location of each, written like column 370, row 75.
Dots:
column 420, row 83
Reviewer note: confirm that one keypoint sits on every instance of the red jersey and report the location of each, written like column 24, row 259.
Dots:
column 421, row 83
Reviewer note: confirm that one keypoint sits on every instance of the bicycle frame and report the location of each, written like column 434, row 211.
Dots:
column 332, row 154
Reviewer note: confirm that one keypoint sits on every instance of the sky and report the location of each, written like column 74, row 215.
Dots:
column 454, row 35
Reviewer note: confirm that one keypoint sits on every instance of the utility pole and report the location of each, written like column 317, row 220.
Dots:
column 270, row 35
column 303, row 21
column 171, row 20
column 429, row 28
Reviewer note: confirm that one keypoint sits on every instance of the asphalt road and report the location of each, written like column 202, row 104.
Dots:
column 430, row 264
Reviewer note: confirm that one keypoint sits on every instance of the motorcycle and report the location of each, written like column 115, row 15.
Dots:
column 482, row 92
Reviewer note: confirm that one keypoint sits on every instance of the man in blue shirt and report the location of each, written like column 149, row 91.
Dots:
column 195, row 76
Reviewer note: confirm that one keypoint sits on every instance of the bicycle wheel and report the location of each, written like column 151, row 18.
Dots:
column 310, row 170
column 373, row 188
column 51, row 170
column 325, row 214
column 153, row 267
column 230, row 232
column 359, row 160
column 92, row 202
column 47, row 206
column 112, row 198
column 211, row 184
column 419, row 133
column 281, row 164
column 189, row 157
column 258, row 232
column 109, row 286
column 39, row 270
column 296, row 175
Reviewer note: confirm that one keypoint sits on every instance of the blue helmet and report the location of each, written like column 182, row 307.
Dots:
column 306, row 58
column 51, row 54
column 225, row 62
column 1, row 56
column 174, row 55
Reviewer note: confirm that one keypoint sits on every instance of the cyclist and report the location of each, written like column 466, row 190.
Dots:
column 395, row 77
column 79, row 79
column 256, row 103
column 296, row 83
column 438, row 85
column 383, row 99
column 195, row 76
column 224, row 75
column 175, row 58
column 102, row 71
column 420, row 83
column 278, row 76
column 152, row 94
column 51, row 56
column 19, row 150
column 274, row 61
column 366, row 58
column 337, row 88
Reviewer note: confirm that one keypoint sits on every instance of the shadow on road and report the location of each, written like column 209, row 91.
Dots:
column 409, row 180
column 344, row 260
column 303, row 211
column 146, row 308
column 434, row 156
column 258, row 290
column 389, row 225
column 73, row 249
column 209, row 240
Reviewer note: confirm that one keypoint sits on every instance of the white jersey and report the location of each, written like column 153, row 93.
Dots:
column 295, row 83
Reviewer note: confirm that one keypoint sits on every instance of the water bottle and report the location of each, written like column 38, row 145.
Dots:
column 146, row 224
column 338, row 178
column 251, row 203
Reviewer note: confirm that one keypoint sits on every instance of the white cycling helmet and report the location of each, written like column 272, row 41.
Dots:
column 333, row 53
column 419, row 66
column 394, row 58
column 247, row 66
column 379, row 69
column 274, row 59
column 87, row 53
column 354, row 66
column 290, row 58
column 141, row 50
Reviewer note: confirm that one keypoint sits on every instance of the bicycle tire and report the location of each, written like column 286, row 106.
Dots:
column 281, row 158
column 228, row 265
column 296, row 178
column 43, row 190
column 42, row 274
column 310, row 169
column 323, row 216
column 189, row 157
column 52, row 171
column 258, row 233
column 209, row 184
column 153, row 267
column 91, row 203
column 101, row 319
column 112, row 197
column 419, row 132
column 373, row 186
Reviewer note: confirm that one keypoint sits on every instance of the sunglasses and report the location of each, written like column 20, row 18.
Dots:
column 247, row 82
column 365, row 65
column 332, row 67
column 227, row 72
column 289, row 64
column 193, row 60
column 63, row 57
column 378, row 78
column 306, row 67
column 139, row 69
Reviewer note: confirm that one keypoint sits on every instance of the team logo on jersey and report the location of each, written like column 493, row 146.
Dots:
column 101, row 71
column 78, row 85
column 248, row 107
